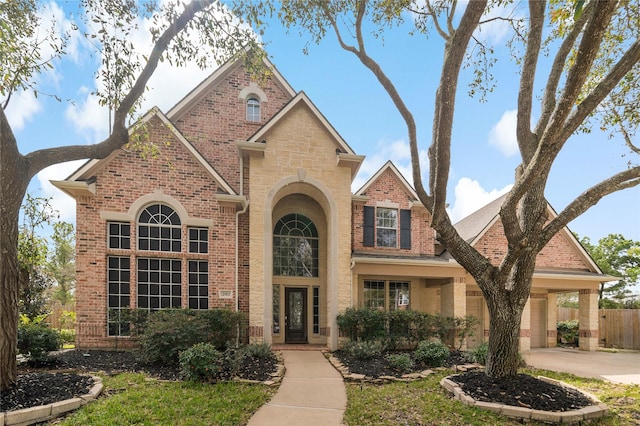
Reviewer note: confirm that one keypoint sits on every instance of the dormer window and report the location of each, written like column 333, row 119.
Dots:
column 253, row 110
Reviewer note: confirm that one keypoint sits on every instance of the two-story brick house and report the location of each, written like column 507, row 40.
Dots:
column 249, row 207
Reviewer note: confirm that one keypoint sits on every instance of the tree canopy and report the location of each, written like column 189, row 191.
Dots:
column 202, row 30
column 619, row 257
column 578, row 68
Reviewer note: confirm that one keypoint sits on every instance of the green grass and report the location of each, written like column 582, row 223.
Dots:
column 130, row 399
column 425, row 402
column 135, row 399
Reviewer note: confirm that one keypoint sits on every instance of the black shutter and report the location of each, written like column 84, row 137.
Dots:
column 369, row 229
column 405, row 229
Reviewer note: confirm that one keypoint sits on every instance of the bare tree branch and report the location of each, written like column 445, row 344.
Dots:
column 602, row 90
column 558, row 68
column 525, row 138
column 577, row 75
column 623, row 180
column 43, row 158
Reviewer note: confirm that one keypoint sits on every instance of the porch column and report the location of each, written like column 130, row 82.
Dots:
column 453, row 301
column 552, row 320
column 588, row 323
column 525, row 327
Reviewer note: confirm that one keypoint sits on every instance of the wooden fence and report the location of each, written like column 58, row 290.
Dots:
column 619, row 328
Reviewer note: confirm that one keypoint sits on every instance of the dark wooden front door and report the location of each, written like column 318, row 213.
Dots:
column 295, row 315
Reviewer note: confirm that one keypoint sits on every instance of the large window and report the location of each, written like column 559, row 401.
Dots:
column 295, row 247
column 386, row 295
column 159, row 283
column 158, row 279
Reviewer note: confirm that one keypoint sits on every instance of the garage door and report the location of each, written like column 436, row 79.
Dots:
column 538, row 323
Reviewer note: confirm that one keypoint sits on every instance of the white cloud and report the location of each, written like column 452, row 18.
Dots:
column 470, row 196
column 90, row 119
column 60, row 201
column 496, row 27
column 398, row 152
column 503, row 134
column 166, row 87
column 22, row 107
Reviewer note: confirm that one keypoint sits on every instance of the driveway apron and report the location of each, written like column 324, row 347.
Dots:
column 312, row 392
column 616, row 367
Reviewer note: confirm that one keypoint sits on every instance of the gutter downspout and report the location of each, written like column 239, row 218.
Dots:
column 238, row 213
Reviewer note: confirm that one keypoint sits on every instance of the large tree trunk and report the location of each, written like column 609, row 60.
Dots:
column 504, row 341
column 8, row 291
column 14, row 179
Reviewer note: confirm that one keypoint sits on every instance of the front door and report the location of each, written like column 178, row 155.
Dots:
column 295, row 318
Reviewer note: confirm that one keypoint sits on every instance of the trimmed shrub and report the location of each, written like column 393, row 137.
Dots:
column 258, row 350
column 401, row 327
column 400, row 362
column 480, row 353
column 363, row 350
column 568, row 332
column 362, row 324
column 433, row 354
column 201, row 362
column 36, row 341
column 171, row 331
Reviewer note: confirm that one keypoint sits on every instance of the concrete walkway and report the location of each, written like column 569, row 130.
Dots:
column 311, row 393
column 616, row 367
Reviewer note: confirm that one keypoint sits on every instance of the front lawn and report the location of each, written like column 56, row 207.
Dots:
column 134, row 398
column 424, row 402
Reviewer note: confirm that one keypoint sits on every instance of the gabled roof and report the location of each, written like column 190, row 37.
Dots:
column 80, row 182
column 477, row 223
column 474, row 226
column 346, row 155
column 393, row 169
column 201, row 90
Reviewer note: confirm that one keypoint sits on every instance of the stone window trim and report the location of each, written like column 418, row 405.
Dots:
column 253, row 97
column 156, row 197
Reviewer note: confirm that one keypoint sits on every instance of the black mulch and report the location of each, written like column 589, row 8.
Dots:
column 523, row 391
column 65, row 375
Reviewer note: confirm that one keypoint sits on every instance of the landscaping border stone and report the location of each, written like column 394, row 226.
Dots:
column 574, row 416
column 43, row 413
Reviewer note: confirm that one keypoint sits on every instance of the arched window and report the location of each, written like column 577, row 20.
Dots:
column 253, row 109
column 295, row 247
column 159, row 229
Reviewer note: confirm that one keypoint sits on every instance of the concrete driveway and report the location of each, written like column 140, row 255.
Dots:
column 616, row 367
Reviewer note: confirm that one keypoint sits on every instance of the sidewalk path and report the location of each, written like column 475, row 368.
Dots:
column 312, row 392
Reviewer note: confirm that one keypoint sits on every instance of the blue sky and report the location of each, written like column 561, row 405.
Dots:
column 483, row 155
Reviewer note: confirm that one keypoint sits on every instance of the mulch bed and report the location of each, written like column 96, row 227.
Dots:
column 522, row 391
column 64, row 376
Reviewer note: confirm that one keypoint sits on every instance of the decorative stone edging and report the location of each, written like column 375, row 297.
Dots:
column 573, row 416
column 275, row 377
column 353, row 377
column 43, row 413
